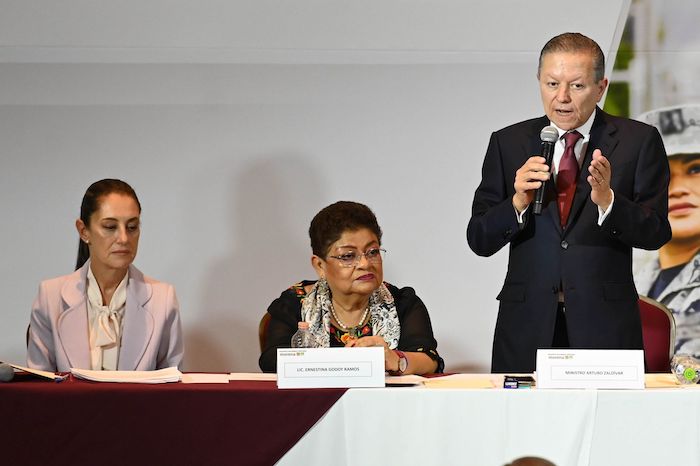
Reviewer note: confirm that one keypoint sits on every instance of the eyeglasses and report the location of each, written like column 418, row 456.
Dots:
column 351, row 259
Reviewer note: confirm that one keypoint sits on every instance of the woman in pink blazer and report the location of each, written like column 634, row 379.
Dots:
column 106, row 314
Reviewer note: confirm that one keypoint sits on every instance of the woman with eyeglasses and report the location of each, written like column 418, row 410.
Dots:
column 350, row 304
column 106, row 315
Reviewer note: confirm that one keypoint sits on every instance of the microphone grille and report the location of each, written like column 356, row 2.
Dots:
column 549, row 134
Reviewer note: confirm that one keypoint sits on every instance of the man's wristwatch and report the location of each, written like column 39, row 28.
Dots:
column 403, row 363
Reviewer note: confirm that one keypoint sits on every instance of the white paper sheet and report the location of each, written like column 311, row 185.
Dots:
column 204, row 378
column 470, row 381
column 45, row 374
column 171, row 374
column 404, row 380
column 252, row 376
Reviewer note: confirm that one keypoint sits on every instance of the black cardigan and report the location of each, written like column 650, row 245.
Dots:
column 416, row 330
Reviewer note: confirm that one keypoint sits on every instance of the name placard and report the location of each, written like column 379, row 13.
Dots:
column 578, row 368
column 330, row 367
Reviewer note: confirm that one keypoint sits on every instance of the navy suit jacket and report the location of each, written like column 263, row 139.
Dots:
column 591, row 264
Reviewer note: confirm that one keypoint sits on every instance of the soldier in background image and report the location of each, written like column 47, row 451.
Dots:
column 672, row 275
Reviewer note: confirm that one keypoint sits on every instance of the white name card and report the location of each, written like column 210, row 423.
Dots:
column 330, row 367
column 577, row 368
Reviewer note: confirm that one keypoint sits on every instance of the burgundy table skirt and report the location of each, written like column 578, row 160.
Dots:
column 86, row 423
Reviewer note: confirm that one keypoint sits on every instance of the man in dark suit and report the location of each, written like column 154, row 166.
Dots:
column 569, row 280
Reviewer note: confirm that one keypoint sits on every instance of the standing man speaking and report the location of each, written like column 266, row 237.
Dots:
column 569, row 280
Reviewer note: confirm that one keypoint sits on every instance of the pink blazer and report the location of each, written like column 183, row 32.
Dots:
column 151, row 331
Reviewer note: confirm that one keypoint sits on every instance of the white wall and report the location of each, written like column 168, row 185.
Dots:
column 237, row 121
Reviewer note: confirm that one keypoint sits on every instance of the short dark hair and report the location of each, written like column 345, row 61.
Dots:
column 91, row 204
column 574, row 42
column 331, row 222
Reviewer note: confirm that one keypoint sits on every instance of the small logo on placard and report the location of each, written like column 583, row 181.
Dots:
column 561, row 356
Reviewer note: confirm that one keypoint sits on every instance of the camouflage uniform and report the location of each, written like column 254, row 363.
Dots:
column 681, row 296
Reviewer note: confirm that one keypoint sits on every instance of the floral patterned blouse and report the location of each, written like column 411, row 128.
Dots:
column 416, row 329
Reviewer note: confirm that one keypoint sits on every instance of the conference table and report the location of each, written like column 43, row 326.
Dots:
column 248, row 422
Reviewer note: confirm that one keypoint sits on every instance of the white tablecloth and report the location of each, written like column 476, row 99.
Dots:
column 482, row 427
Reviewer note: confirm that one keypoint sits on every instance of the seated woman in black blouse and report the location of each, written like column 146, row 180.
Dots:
column 350, row 304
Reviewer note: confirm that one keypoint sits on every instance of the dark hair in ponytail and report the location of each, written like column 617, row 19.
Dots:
column 91, row 204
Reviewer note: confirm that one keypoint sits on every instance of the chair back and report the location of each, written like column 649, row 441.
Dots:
column 658, row 333
column 263, row 327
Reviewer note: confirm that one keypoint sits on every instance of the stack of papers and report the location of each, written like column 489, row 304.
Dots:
column 171, row 374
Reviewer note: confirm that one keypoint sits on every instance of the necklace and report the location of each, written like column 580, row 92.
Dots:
column 343, row 324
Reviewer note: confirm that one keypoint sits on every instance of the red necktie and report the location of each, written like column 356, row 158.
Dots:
column 566, row 178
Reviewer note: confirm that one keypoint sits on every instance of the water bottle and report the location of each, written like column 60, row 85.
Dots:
column 686, row 368
column 303, row 337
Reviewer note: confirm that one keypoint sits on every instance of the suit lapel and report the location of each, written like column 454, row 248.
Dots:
column 73, row 333
column 138, row 325
column 602, row 137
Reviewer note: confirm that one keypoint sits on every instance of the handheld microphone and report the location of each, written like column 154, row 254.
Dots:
column 7, row 373
column 548, row 136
